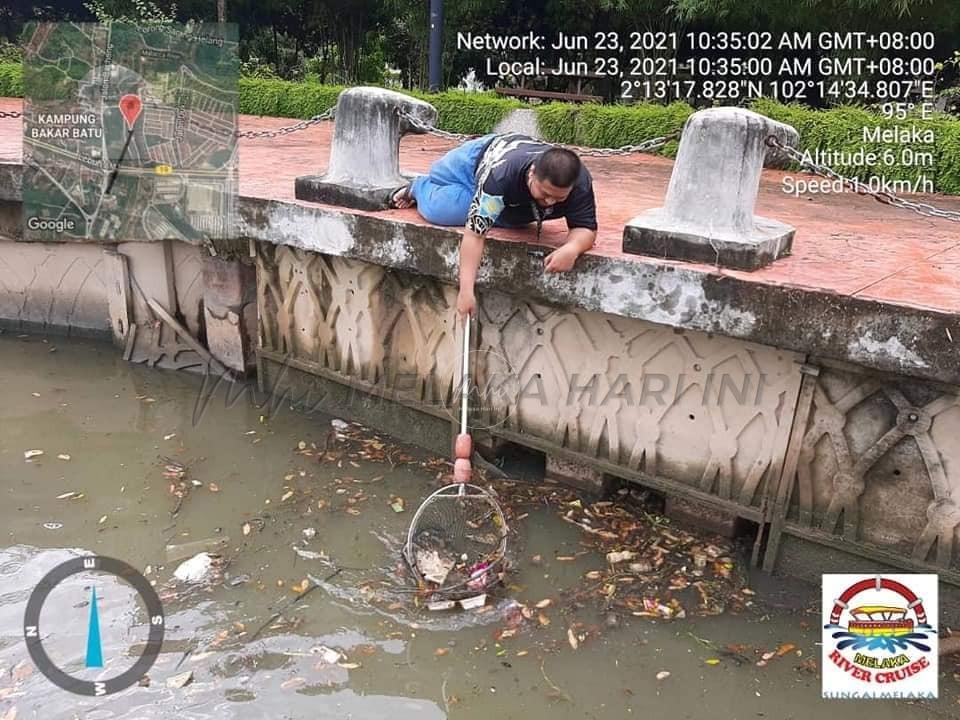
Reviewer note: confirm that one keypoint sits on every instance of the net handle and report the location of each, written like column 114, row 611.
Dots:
column 465, row 381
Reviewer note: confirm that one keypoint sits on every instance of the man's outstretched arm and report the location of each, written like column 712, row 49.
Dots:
column 579, row 240
column 471, row 252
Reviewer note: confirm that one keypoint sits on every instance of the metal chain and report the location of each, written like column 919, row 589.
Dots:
column 418, row 124
column 10, row 114
column 646, row 146
column 315, row 120
column 888, row 198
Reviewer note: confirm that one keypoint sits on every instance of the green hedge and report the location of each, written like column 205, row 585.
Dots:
column 473, row 114
column 303, row 100
column 11, row 80
column 279, row 98
column 611, row 125
column 615, row 125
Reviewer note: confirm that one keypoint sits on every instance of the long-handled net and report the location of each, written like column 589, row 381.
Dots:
column 458, row 536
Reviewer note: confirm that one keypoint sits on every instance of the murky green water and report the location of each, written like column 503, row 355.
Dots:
column 117, row 422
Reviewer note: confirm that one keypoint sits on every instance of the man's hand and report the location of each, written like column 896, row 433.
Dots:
column 579, row 240
column 561, row 259
column 466, row 303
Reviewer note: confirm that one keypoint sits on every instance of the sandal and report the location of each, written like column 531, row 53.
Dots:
column 400, row 198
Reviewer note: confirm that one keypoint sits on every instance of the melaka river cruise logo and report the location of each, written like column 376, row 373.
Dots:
column 879, row 639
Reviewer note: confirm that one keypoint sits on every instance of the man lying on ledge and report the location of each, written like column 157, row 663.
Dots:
column 505, row 181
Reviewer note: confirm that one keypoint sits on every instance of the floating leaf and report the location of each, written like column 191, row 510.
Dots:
column 246, row 528
column 293, row 683
column 663, row 675
column 712, row 661
column 785, row 648
column 287, row 495
column 543, row 619
column 572, row 639
column 441, row 651
column 213, row 487
column 28, row 454
column 181, row 680
column 544, row 604
column 102, row 520
column 63, row 456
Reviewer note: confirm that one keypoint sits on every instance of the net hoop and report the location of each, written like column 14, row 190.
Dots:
column 456, row 490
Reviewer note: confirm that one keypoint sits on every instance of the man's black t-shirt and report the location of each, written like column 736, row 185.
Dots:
column 503, row 196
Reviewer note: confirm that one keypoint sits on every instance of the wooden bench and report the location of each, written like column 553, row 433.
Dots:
column 547, row 95
column 578, row 96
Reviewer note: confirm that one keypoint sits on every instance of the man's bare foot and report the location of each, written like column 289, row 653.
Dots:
column 402, row 199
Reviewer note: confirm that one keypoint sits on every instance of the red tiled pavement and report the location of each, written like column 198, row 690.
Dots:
column 845, row 243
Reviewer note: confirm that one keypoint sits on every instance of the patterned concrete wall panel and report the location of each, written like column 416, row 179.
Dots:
column 422, row 351
column 188, row 275
column 879, row 464
column 389, row 329
column 706, row 411
column 53, row 284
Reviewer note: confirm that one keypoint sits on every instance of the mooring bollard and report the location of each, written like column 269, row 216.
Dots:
column 708, row 212
column 365, row 155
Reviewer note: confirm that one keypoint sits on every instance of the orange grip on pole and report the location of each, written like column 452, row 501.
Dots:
column 463, row 448
column 462, row 470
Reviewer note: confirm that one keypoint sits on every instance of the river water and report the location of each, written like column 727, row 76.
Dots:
column 116, row 438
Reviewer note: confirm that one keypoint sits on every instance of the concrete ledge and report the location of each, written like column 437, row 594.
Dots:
column 579, row 475
column 701, row 516
column 36, row 328
column 808, row 560
column 879, row 336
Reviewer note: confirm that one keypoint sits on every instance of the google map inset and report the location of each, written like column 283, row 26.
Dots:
column 130, row 132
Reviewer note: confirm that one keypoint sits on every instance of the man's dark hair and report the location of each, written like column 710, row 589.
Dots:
column 559, row 166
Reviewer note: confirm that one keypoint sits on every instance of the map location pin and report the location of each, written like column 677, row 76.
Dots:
column 130, row 107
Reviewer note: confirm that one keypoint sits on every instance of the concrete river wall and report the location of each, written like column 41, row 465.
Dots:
column 737, row 401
